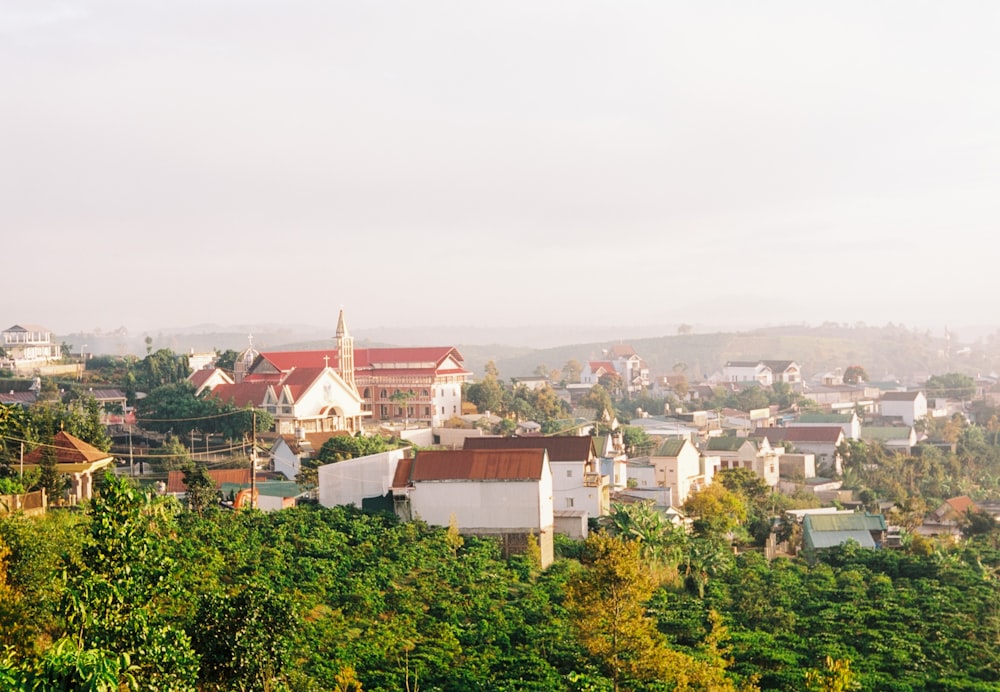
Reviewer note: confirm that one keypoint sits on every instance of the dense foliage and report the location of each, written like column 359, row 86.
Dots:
column 139, row 593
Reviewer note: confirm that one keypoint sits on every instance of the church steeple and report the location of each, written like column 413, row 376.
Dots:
column 345, row 352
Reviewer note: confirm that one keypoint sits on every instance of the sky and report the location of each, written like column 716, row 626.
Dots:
column 181, row 162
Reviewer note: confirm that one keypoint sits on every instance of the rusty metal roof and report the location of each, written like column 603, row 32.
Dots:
column 560, row 447
column 472, row 465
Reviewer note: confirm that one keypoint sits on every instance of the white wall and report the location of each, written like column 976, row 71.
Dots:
column 349, row 482
column 510, row 505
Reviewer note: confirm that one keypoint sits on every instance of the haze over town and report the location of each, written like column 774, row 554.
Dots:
column 485, row 164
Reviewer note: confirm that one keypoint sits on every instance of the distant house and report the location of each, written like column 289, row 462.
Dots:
column 900, row 438
column 753, row 371
column 74, row 458
column 786, row 371
column 822, row 441
column 629, row 366
column 289, row 451
column 948, row 518
column 847, row 421
column 31, row 343
column 505, row 493
column 679, row 466
column 594, row 370
column 907, row 406
column 733, row 452
column 208, row 378
column 821, row 531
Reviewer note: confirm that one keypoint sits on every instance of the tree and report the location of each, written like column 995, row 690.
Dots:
column 637, row 441
column 50, row 480
column 202, row 492
column 343, row 447
column 402, row 397
column 952, row 384
column 571, row 371
column 855, row 374
column 607, row 605
column 717, row 511
column 226, row 360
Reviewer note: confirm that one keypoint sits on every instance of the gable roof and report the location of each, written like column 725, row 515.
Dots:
column 900, row 396
column 838, row 418
column 471, row 465
column 242, row 394
column 559, row 447
column 828, row 530
column 886, row 433
column 726, row 443
column 962, row 504
column 671, row 448
column 68, row 450
column 828, row 434
column 175, row 479
column 621, row 351
column 779, row 365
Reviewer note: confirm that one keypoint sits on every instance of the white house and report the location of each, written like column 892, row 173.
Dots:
column 29, row 342
column 747, row 371
column 908, row 406
column 740, row 452
column 848, row 422
column 577, row 482
column 821, row 441
column 504, row 493
column 680, row 467
column 289, row 451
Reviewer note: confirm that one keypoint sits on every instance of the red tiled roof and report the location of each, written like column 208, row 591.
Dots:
column 473, row 465
column 242, row 394
column 805, row 433
column 175, row 479
column 366, row 358
column 596, row 365
column 559, row 447
column 962, row 504
column 200, row 377
column 69, row 450
column 622, row 350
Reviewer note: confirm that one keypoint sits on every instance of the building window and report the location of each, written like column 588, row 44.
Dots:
column 569, row 473
column 569, row 501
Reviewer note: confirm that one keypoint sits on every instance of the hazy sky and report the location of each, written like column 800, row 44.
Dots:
column 172, row 162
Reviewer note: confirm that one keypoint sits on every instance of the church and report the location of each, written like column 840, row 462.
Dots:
column 340, row 389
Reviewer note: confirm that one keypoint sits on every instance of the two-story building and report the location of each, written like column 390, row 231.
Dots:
column 29, row 343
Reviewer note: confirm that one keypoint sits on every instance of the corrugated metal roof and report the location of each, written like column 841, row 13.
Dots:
column 726, row 443
column 804, row 433
column 476, row 465
column 560, row 447
column 670, row 448
column 175, row 479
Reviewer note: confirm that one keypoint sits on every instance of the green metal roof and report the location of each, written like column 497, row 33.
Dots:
column 823, row 418
column 726, row 443
column 884, row 434
column 670, row 448
column 828, row 530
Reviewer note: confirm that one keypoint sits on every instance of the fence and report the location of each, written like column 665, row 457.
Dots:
column 29, row 503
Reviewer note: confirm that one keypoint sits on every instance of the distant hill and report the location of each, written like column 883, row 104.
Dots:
column 891, row 352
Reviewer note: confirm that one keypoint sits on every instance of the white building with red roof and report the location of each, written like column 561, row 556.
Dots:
column 505, row 493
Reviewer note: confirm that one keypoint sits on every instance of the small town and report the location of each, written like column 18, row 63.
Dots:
column 660, row 529
column 499, row 347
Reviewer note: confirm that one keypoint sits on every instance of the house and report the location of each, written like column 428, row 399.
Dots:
column 898, row 438
column 785, row 371
column 752, row 371
column 828, row 530
column 29, row 343
column 612, row 459
column 577, row 483
column 419, row 384
column 505, row 493
column 629, row 366
column 364, row 482
column 948, row 518
column 820, row 440
column 679, row 466
column 289, row 451
column 208, row 378
column 847, row 421
column 741, row 452
column 844, row 396
column 594, row 370
column 113, row 405
column 74, row 458
column 178, row 488
column 907, row 406
column 797, row 465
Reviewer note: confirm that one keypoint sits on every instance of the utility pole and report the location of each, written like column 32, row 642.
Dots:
column 253, row 463
column 131, row 458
